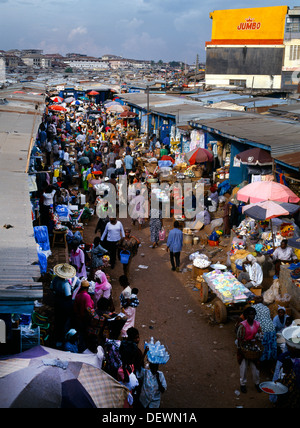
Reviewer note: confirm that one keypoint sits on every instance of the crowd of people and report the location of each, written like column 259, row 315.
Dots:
column 90, row 142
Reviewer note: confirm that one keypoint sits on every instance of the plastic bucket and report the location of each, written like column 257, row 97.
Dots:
column 213, row 243
column 124, row 257
column 188, row 239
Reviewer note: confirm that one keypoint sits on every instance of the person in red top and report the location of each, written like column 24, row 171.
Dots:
column 82, row 302
column 247, row 333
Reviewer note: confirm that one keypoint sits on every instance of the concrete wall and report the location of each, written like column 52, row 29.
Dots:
column 255, row 81
column 225, row 63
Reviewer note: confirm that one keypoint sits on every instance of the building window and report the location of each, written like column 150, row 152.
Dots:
column 293, row 24
column 234, row 82
column 294, row 52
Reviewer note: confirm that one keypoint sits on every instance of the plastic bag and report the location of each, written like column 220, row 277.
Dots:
column 42, row 237
column 162, row 234
column 42, row 260
column 218, row 222
column 272, row 293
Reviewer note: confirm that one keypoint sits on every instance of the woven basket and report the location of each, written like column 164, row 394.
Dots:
column 251, row 354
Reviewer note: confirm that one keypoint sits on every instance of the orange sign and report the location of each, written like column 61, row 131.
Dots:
column 260, row 25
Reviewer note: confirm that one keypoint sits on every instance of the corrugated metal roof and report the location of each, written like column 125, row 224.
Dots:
column 281, row 136
column 19, row 271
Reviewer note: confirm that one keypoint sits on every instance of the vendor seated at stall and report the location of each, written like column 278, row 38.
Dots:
column 252, row 275
column 283, row 254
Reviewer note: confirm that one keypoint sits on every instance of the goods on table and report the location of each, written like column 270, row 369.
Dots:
column 157, row 353
column 201, row 263
column 227, row 287
column 287, row 230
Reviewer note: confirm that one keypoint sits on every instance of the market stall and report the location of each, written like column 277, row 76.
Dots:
column 231, row 294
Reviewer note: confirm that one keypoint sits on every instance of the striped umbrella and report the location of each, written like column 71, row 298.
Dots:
column 199, row 155
column 45, row 378
column 57, row 99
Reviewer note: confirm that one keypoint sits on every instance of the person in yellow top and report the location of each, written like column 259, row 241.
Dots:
column 91, row 190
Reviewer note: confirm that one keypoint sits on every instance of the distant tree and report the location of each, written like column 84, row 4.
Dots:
column 174, row 64
column 69, row 70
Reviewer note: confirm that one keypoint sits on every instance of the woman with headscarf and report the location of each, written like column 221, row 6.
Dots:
column 103, row 287
column 83, row 301
column 137, row 209
column 77, row 259
column 155, row 225
column 280, row 319
column 269, row 340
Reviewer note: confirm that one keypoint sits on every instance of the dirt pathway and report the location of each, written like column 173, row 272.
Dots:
column 202, row 371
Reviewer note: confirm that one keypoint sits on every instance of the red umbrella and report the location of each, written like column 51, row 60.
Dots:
column 199, row 155
column 93, row 93
column 167, row 158
column 57, row 108
column 57, row 99
column 255, row 156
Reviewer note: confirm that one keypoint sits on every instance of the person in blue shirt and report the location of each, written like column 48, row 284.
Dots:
column 166, row 141
column 174, row 244
column 128, row 161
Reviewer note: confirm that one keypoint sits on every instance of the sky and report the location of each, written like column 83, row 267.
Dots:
column 167, row 30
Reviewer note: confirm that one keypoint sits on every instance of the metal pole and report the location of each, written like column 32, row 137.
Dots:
column 148, row 114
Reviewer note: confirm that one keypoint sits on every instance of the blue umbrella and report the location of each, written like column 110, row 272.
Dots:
column 291, row 208
column 294, row 242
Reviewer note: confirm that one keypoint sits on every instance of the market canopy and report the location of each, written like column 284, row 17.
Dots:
column 255, row 157
column 265, row 210
column 93, row 93
column 117, row 108
column 199, row 155
column 266, row 190
column 127, row 114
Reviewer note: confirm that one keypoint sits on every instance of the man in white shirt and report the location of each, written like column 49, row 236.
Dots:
column 283, row 254
column 253, row 274
column 66, row 156
column 113, row 232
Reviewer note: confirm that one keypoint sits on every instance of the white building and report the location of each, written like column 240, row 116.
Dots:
column 256, row 48
column 2, row 71
column 86, row 63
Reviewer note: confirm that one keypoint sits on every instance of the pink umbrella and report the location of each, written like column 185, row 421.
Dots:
column 266, row 190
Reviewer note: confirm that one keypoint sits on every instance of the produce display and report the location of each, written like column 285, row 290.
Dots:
column 227, row 287
column 201, row 263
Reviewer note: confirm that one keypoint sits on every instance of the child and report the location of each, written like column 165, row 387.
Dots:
column 152, row 385
column 129, row 303
column 77, row 259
